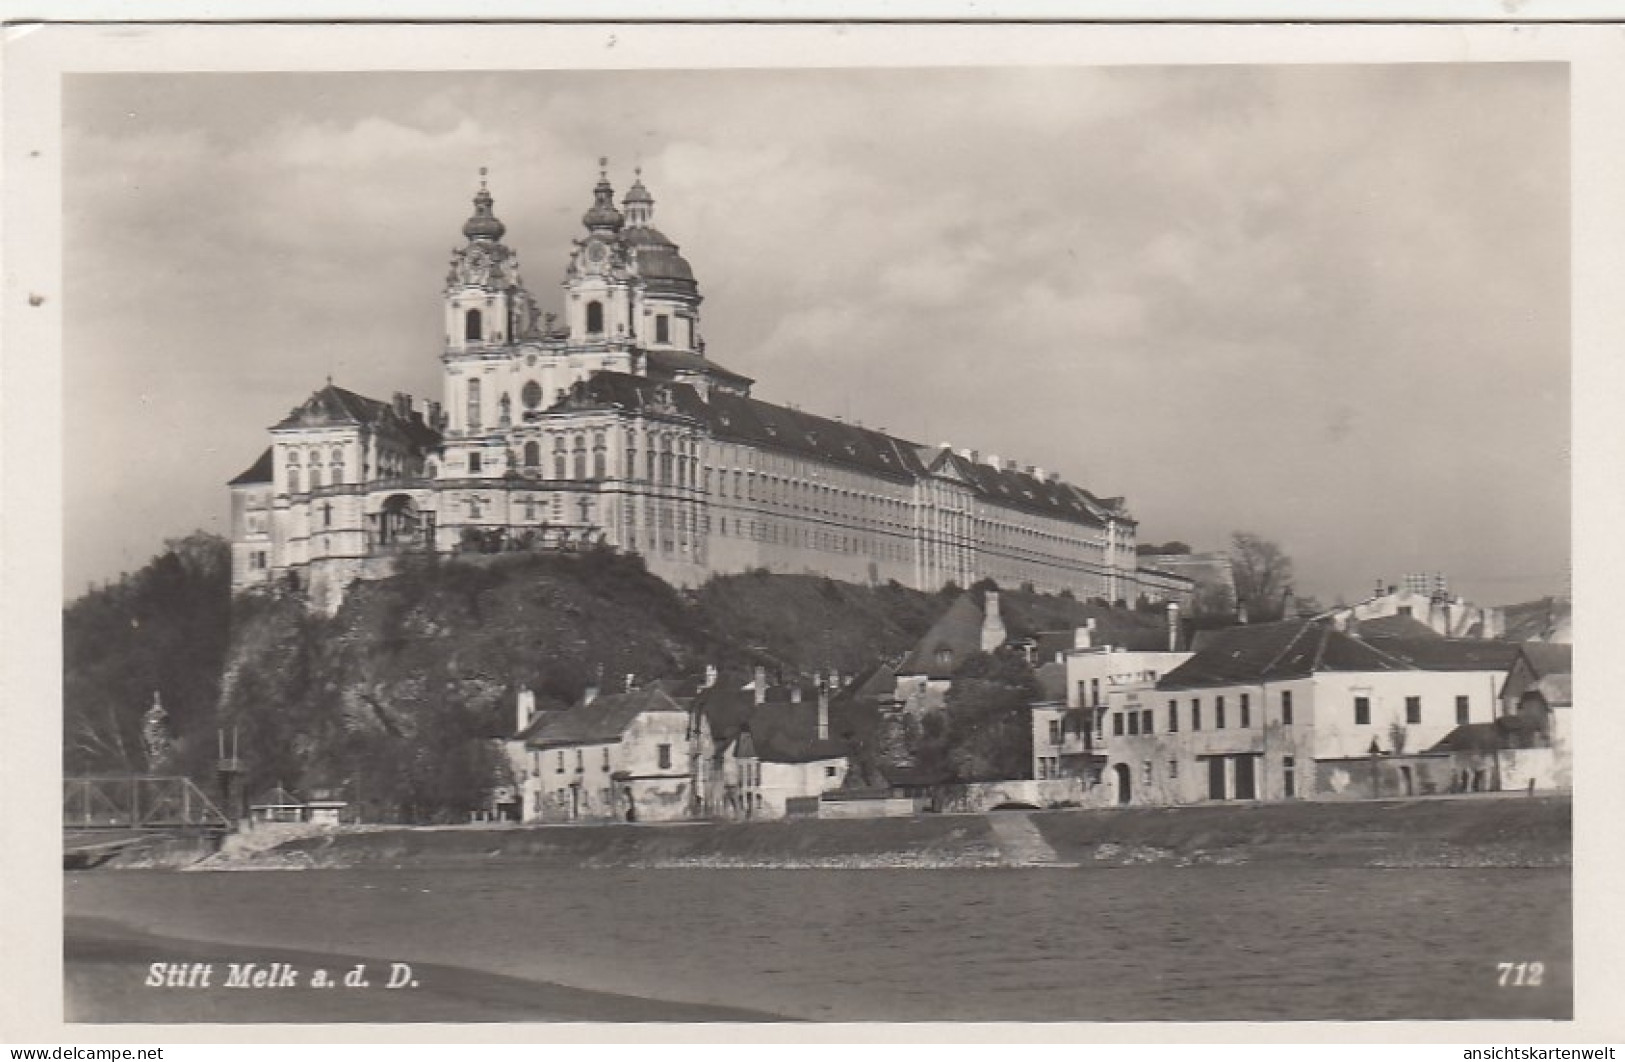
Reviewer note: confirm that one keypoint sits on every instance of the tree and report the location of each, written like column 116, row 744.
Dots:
column 1263, row 572
column 984, row 732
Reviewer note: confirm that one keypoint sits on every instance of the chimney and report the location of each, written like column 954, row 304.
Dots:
column 795, row 694
column 759, row 685
column 1012, row 465
column 403, row 405
column 823, row 711
column 589, row 695
column 993, row 632
column 1084, row 636
column 525, row 708
column 1173, row 626
column 993, row 461
column 434, row 417
column 710, row 676
column 631, row 680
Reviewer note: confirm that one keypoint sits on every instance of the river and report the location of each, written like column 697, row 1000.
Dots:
column 1137, row 943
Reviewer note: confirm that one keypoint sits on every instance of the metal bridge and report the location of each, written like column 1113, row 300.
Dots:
column 103, row 816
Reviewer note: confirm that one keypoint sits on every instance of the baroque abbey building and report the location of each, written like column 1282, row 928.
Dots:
column 611, row 425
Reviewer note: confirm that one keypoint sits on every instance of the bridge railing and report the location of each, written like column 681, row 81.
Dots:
column 138, row 802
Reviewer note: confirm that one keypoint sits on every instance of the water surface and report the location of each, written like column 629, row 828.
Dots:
column 1141, row 943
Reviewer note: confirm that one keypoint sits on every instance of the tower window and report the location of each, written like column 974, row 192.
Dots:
column 473, row 462
column 595, row 317
column 473, row 329
column 662, row 328
column 531, row 394
column 473, row 401
column 533, row 454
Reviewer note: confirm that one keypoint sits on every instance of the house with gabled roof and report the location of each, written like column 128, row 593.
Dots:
column 1299, row 708
column 638, row 756
column 775, row 747
column 971, row 624
column 1539, row 690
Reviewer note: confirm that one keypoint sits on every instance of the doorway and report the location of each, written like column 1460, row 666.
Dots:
column 1124, row 780
column 1246, row 786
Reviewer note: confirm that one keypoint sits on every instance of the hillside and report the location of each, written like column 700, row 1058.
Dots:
column 397, row 695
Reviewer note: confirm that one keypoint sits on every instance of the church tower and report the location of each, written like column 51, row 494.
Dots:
column 487, row 311
column 599, row 283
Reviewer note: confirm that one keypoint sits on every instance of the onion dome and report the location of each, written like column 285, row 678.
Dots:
column 602, row 215
column 483, row 225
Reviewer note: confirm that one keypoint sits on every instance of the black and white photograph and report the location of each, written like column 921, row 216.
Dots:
column 803, row 537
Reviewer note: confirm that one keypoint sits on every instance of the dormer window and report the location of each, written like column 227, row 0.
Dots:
column 473, row 329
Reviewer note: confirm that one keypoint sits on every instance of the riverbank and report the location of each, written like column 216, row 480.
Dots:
column 1481, row 831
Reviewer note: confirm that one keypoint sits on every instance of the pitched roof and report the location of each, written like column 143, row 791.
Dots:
column 1471, row 737
column 779, row 730
column 605, row 719
column 1270, row 651
column 1022, row 490
column 788, row 733
column 277, row 796
column 258, row 472
column 957, row 633
column 1449, row 654
column 1548, row 658
column 879, row 682
column 1395, row 626
column 1506, row 732
column 763, row 424
column 672, row 362
column 333, row 405
column 1128, row 629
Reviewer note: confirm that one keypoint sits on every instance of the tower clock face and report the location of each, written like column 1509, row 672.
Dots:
column 597, row 253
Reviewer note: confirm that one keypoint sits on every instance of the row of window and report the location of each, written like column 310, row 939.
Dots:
column 1140, row 722
column 1413, row 710
column 662, row 754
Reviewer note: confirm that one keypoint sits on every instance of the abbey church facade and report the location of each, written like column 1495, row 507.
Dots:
column 611, row 425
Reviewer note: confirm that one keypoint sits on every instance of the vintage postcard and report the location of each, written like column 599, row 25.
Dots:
column 813, row 524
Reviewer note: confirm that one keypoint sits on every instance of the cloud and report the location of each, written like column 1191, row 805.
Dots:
column 1204, row 288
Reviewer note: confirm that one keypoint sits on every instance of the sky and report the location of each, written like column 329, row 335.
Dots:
column 1325, row 304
